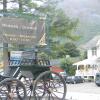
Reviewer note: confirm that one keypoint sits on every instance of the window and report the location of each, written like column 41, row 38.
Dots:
column 94, row 51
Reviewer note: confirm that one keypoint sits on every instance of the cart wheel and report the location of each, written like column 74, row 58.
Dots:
column 12, row 89
column 49, row 85
column 28, row 82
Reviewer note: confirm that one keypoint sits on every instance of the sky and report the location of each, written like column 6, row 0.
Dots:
column 82, row 7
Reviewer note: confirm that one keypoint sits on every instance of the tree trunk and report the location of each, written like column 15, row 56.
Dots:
column 4, row 6
column 20, row 5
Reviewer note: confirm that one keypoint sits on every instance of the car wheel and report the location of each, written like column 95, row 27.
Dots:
column 83, row 81
column 74, row 82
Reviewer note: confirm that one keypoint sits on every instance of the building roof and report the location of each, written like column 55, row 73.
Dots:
column 92, row 61
column 92, row 43
column 56, row 69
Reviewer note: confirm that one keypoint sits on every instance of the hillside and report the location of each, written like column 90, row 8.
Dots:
column 88, row 29
column 88, row 13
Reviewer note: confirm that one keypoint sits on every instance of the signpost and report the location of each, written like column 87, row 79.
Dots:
column 21, row 31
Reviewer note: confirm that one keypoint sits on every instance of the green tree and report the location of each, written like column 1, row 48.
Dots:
column 4, row 5
column 60, row 28
column 61, row 50
column 67, row 66
column 60, row 25
column 71, row 49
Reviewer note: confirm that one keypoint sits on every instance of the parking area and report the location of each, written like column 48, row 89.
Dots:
column 83, row 91
column 87, row 87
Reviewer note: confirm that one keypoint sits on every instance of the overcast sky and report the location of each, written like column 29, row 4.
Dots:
column 82, row 7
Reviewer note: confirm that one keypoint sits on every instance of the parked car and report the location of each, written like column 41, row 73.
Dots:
column 74, row 79
column 97, row 79
column 1, row 72
column 64, row 75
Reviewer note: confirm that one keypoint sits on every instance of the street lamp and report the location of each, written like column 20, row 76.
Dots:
column 35, row 51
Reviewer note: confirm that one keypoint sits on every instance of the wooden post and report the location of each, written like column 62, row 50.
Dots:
column 5, row 45
column 5, row 57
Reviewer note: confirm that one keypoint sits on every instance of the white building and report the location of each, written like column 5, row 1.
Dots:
column 90, row 66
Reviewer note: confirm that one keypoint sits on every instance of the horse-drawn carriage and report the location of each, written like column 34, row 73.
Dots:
column 31, row 77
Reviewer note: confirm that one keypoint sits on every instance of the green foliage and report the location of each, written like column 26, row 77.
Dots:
column 61, row 50
column 85, row 55
column 67, row 66
column 58, row 23
column 61, row 25
column 43, row 55
column 60, row 28
column 71, row 49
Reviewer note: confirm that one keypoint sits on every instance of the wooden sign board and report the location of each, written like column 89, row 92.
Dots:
column 21, row 31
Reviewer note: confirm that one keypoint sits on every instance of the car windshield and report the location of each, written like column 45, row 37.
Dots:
column 73, row 77
column 70, row 77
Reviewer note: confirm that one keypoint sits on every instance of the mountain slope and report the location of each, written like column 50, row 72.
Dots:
column 88, row 13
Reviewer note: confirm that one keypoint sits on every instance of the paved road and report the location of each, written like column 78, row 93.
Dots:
column 84, row 88
column 83, row 91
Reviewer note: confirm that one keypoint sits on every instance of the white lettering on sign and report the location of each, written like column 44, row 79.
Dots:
column 20, row 36
column 16, row 26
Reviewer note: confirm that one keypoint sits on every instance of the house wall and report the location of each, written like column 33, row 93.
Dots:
column 89, row 53
column 89, row 70
column 98, row 51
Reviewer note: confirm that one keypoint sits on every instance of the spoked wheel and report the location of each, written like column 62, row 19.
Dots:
column 49, row 86
column 28, row 82
column 12, row 89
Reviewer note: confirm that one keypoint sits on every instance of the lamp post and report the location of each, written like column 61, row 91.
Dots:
column 36, row 52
